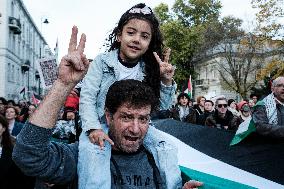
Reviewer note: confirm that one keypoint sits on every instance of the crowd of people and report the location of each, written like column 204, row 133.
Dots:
column 101, row 133
column 221, row 113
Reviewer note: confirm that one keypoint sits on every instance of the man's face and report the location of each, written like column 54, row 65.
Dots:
column 254, row 98
column 208, row 106
column 278, row 90
column 70, row 115
column 128, row 127
column 222, row 106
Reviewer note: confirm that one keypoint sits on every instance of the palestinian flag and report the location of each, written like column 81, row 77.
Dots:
column 188, row 90
column 205, row 154
column 245, row 128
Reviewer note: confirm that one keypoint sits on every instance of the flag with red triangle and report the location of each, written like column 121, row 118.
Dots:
column 188, row 90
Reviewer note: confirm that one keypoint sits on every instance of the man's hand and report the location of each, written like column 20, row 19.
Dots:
column 167, row 70
column 74, row 65
column 192, row 184
column 97, row 136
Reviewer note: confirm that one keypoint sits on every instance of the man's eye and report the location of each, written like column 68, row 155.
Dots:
column 126, row 118
column 144, row 119
column 130, row 33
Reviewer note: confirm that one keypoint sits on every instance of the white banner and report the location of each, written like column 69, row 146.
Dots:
column 48, row 71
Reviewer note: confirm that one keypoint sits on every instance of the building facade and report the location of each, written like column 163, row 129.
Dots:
column 21, row 45
column 208, row 81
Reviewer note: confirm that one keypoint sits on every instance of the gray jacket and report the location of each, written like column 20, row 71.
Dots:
column 57, row 162
column 102, row 73
column 262, row 124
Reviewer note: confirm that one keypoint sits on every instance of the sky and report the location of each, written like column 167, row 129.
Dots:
column 97, row 18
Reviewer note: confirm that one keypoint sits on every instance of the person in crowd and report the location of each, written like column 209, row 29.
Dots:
column 14, row 126
column 251, row 104
column 24, row 110
column 232, row 107
column 135, row 53
column 68, row 128
column 268, row 114
column 245, row 112
column 208, row 110
column 182, row 111
column 23, row 118
column 11, row 176
column 72, row 100
column 199, row 107
column 3, row 103
column 254, row 97
column 128, row 107
column 11, row 103
column 222, row 117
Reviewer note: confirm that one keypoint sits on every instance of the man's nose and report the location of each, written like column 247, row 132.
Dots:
column 135, row 126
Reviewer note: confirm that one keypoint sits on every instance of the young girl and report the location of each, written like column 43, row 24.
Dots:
column 136, row 44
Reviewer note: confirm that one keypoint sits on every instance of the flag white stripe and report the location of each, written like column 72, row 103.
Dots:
column 194, row 159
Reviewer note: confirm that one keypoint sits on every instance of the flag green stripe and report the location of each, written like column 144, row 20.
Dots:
column 210, row 181
column 239, row 137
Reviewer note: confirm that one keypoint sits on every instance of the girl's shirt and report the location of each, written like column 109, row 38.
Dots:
column 103, row 72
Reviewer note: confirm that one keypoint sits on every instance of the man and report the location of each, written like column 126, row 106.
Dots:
column 254, row 98
column 208, row 110
column 222, row 117
column 128, row 119
column 268, row 114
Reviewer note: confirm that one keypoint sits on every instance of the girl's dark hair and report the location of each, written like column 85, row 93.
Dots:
column 6, row 138
column 152, row 68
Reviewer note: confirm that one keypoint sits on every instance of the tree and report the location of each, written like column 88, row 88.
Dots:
column 269, row 27
column 185, row 31
column 268, row 18
column 240, row 57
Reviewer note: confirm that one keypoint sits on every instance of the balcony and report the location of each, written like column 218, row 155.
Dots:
column 15, row 25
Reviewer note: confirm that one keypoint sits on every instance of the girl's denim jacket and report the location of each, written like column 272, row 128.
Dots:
column 103, row 72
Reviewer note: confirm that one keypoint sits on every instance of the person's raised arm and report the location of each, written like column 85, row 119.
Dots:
column 33, row 153
column 72, row 69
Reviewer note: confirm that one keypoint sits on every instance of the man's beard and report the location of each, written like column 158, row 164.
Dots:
column 118, row 142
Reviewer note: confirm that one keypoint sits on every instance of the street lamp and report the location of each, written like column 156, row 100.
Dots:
column 42, row 21
column 25, row 68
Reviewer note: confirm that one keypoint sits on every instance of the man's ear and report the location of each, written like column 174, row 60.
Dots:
column 108, row 117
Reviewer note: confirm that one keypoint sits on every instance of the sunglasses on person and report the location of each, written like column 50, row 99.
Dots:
column 224, row 105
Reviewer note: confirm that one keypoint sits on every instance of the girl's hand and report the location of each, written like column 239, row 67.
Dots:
column 97, row 136
column 166, row 69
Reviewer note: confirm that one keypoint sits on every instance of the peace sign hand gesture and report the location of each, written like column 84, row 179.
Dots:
column 74, row 65
column 167, row 70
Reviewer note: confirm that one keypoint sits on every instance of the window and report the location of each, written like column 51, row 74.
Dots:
column 9, row 72
column 13, row 73
column 12, row 8
column 18, row 79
